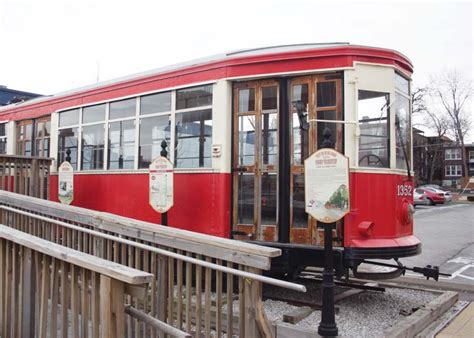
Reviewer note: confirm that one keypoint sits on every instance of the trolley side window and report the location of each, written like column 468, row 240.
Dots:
column 42, row 136
column 374, row 129
column 67, row 147
column 153, row 131
column 3, row 138
column 121, row 144
column 193, row 139
column 193, row 127
column 92, row 154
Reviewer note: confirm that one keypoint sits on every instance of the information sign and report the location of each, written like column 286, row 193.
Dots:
column 161, row 184
column 66, row 183
column 327, row 185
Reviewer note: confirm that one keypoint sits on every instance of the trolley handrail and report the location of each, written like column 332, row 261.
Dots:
column 236, row 272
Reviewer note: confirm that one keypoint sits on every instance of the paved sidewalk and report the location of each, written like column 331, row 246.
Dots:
column 461, row 326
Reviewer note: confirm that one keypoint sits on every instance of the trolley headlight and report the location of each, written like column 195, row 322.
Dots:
column 407, row 212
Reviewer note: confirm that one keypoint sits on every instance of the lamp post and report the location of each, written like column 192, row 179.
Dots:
column 327, row 327
column 164, row 153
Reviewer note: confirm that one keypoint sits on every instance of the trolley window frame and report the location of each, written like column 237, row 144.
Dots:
column 137, row 118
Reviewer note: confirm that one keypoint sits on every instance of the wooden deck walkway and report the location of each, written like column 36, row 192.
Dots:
column 179, row 283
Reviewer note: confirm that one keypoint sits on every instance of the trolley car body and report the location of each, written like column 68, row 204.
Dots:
column 238, row 145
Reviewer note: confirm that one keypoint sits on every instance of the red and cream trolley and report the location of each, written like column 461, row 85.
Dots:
column 237, row 131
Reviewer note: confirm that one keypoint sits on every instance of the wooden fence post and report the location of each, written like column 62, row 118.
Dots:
column 112, row 307
column 28, row 292
column 34, row 178
column 256, row 323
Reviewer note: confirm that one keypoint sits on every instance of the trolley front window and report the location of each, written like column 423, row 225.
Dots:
column 402, row 122
column 374, row 130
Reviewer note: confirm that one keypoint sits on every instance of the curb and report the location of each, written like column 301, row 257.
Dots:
column 440, row 285
column 416, row 322
column 286, row 330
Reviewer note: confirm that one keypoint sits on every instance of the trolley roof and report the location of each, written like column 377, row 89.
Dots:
column 264, row 54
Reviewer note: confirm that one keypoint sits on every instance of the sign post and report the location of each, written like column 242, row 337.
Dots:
column 327, row 200
column 66, row 183
column 161, row 184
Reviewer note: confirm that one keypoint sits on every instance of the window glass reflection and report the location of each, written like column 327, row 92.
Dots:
column 300, row 217
column 122, row 109
column 374, row 135
column 269, row 98
column 92, row 147
column 299, row 95
column 93, row 113
column 401, row 84
column 153, row 130
column 121, row 145
column 327, row 127
column 155, row 103
column 69, row 118
column 194, row 97
column 326, row 92
column 300, row 142
column 67, row 146
column 402, row 132
column 245, row 198
column 269, row 138
column 246, row 100
column 269, row 199
column 246, row 155
column 193, row 139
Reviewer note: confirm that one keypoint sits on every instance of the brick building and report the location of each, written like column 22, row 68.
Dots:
column 428, row 157
column 452, row 168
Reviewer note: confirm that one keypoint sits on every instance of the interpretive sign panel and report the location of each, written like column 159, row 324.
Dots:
column 161, row 184
column 327, row 185
column 66, row 183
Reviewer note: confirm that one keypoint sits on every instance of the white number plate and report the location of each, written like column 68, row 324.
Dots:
column 404, row 190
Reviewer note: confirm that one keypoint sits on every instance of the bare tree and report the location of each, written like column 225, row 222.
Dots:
column 436, row 121
column 418, row 97
column 454, row 93
column 439, row 122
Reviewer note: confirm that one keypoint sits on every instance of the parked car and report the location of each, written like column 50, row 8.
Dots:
column 433, row 197
column 420, row 198
column 448, row 197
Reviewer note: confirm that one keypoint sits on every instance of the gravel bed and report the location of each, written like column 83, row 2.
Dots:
column 368, row 314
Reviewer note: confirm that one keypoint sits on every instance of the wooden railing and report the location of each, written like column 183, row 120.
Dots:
column 201, row 284
column 25, row 175
column 47, row 290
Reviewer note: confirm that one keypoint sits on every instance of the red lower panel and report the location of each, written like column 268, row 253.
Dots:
column 201, row 201
column 375, row 199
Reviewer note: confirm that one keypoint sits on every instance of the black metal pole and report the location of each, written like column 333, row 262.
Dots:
column 164, row 153
column 327, row 327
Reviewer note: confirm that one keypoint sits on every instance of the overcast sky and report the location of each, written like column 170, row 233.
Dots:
column 49, row 46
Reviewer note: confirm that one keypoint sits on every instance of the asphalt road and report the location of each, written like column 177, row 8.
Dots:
column 447, row 236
